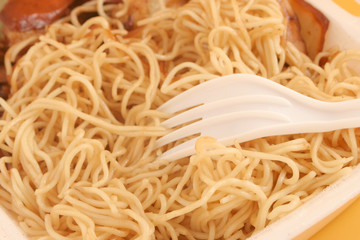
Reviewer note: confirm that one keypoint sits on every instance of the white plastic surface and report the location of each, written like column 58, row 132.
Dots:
column 9, row 229
column 246, row 107
column 344, row 28
column 313, row 211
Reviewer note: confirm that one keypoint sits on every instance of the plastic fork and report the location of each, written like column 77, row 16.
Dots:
column 243, row 107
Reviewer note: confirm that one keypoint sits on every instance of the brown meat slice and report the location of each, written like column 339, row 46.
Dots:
column 306, row 26
column 292, row 33
column 313, row 26
column 24, row 18
column 23, row 15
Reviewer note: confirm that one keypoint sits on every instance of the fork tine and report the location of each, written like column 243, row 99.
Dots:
column 226, row 128
column 224, row 125
column 236, row 104
column 182, row 150
column 216, row 89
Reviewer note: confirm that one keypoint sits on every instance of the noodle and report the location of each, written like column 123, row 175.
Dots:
column 78, row 133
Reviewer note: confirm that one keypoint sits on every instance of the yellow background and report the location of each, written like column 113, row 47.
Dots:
column 345, row 226
column 351, row 6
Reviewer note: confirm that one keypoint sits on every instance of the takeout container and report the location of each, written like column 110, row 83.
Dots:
column 309, row 218
column 324, row 207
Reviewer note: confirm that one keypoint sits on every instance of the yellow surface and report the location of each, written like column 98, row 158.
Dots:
column 351, row 6
column 346, row 226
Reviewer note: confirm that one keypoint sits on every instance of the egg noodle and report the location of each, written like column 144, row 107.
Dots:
column 78, row 133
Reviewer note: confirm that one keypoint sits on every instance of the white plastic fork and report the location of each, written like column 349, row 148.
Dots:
column 243, row 107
